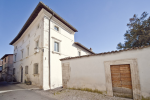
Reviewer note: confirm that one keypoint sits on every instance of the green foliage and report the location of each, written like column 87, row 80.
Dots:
column 148, row 98
column 138, row 33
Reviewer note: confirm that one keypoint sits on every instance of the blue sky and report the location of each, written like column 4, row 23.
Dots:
column 101, row 24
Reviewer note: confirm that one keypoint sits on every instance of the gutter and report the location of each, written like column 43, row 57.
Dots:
column 49, row 52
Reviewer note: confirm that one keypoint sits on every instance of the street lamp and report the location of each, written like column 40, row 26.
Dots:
column 37, row 49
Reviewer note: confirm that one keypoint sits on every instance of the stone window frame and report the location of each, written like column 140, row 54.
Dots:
column 134, row 76
column 53, row 44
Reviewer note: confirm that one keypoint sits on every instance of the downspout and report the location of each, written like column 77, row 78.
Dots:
column 49, row 52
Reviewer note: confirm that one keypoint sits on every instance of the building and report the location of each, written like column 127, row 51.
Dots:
column 7, row 69
column 43, row 40
column 122, row 73
column 0, row 65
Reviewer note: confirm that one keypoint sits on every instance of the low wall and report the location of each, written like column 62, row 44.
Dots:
column 93, row 72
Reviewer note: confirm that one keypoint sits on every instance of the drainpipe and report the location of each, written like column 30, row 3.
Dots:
column 49, row 51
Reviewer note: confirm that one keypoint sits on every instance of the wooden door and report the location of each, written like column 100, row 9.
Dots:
column 121, row 81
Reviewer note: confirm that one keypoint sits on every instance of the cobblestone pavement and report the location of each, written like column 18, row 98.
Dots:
column 67, row 94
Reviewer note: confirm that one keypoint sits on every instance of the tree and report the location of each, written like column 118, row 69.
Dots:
column 138, row 33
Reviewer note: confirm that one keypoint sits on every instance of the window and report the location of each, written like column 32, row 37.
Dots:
column 36, row 68
column 22, row 41
column 22, row 53
column 56, row 46
column 13, row 71
column 27, row 51
column 79, row 53
column 28, row 35
column 56, row 28
column 26, row 70
column 38, row 26
column 15, row 56
column 5, row 59
column 37, row 43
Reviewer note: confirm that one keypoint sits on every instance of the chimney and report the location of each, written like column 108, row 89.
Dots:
column 91, row 49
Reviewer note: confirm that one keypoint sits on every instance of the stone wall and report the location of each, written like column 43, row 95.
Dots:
column 93, row 72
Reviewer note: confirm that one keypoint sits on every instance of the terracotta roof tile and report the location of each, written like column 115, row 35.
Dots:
column 109, row 52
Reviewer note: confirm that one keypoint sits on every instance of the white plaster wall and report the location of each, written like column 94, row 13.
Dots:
column 35, row 34
column 67, row 49
column 89, row 72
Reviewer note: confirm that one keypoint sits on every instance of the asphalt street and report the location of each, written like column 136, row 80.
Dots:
column 13, row 92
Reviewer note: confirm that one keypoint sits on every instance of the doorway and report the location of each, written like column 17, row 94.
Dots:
column 121, row 81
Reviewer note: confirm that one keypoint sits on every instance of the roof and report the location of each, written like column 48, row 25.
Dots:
column 105, row 53
column 34, row 15
column 79, row 44
column 6, row 55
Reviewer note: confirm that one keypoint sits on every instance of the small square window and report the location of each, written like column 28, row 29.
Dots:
column 36, row 68
column 56, row 28
column 79, row 53
column 56, row 46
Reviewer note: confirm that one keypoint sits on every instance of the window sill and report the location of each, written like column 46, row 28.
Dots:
column 21, row 59
column 56, row 52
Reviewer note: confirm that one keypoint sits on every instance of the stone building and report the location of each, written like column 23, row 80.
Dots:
column 43, row 40
column 7, row 69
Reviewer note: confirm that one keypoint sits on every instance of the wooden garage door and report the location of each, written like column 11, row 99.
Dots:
column 121, row 81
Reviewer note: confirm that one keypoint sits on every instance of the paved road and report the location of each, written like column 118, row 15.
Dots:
column 13, row 92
